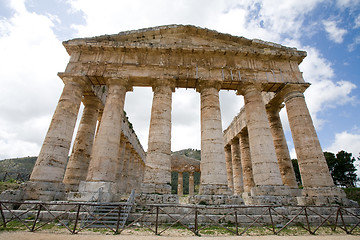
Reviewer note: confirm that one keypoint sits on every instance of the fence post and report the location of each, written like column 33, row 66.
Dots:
column 272, row 222
column 196, row 222
column 342, row 220
column 157, row 220
column 2, row 215
column 236, row 223
column 37, row 217
column 118, row 220
column 77, row 219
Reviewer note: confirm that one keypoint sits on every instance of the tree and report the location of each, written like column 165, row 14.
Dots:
column 342, row 168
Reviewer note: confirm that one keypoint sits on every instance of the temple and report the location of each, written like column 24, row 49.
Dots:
column 248, row 163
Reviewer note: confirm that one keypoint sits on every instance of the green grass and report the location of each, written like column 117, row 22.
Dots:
column 353, row 194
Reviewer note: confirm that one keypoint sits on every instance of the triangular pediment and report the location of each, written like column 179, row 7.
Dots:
column 182, row 36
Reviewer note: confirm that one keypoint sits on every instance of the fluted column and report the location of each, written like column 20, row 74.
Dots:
column 237, row 169
column 229, row 168
column 312, row 164
column 52, row 159
column 180, row 186
column 191, row 184
column 78, row 164
column 104, row 155
column 263, row 157
column 246, row 161
column 157, row 176
column 281, row 148
column 213, row 164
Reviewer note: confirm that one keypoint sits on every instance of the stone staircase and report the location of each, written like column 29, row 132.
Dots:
column 108, row 216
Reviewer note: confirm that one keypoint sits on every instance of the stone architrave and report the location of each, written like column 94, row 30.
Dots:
column 281, row 148
column 312, row 164
column 246, row 161
column 236, row 166
column 229, row 167
column 263, row 157
column 51, row 162
column 180, row 185
column 213, row 165
column 157, row 175
column 78, row 164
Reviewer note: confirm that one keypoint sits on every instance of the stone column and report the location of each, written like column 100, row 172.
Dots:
column 237, row 169
column 157, row 176
column 229, row 168
column 213, row 164
column 180, row 186
column 51, row 162
column 191, row 184
column 281, row 148
column 104, row 156
column 125, row 168
column 246, row 161
column 263, row 157
column 121, row 159
column 312, row 164
column 78, row 164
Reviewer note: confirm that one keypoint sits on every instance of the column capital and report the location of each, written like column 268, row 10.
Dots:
column 292, row 95
column 248, row 87
column 203, row 84
column 90, row 100
column 75, row 79
column 164, row 83
column 274, row 108
column 120, row 81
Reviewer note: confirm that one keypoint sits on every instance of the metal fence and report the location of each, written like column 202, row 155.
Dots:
column 18, row 176
column 159, row 218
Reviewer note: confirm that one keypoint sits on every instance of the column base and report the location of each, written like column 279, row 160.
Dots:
column 216, row 200
column 94, row 191
column 153, row 188
column 272, row 195
column 148, row 198
column 214, row 189
column 43, row 191
column 324, row 196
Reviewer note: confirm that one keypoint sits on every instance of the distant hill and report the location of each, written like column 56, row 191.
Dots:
column 23, row 165
column 192, row 153
column 26, row 164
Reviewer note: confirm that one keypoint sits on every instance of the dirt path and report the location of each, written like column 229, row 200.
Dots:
column 94, row 236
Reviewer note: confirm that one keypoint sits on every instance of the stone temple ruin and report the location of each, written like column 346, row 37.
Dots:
column 248, row 163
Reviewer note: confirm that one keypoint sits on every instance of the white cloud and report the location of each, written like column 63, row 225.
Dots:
column 30, row 58
column 357, row 22
column 349, row 142
column 353, row 45
column 336, row 34
column 342, row 4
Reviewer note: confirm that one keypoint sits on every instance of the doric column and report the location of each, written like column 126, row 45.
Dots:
column 125, row 168
column 78, row 164
column 180, row 186
column 105, row 151
column 121, row 159
column 263, row 157
column 312, row 164
column 51, row 162
column 237, row 169
column 229, row 168
column 281, row 148
column 213, row 164
column 157, row 176
column 191, row 184
column 246, row 161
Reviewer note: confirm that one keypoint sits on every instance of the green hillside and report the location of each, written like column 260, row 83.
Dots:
column 20, row 165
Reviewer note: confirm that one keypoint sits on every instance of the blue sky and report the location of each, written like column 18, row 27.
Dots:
column 31, row 32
